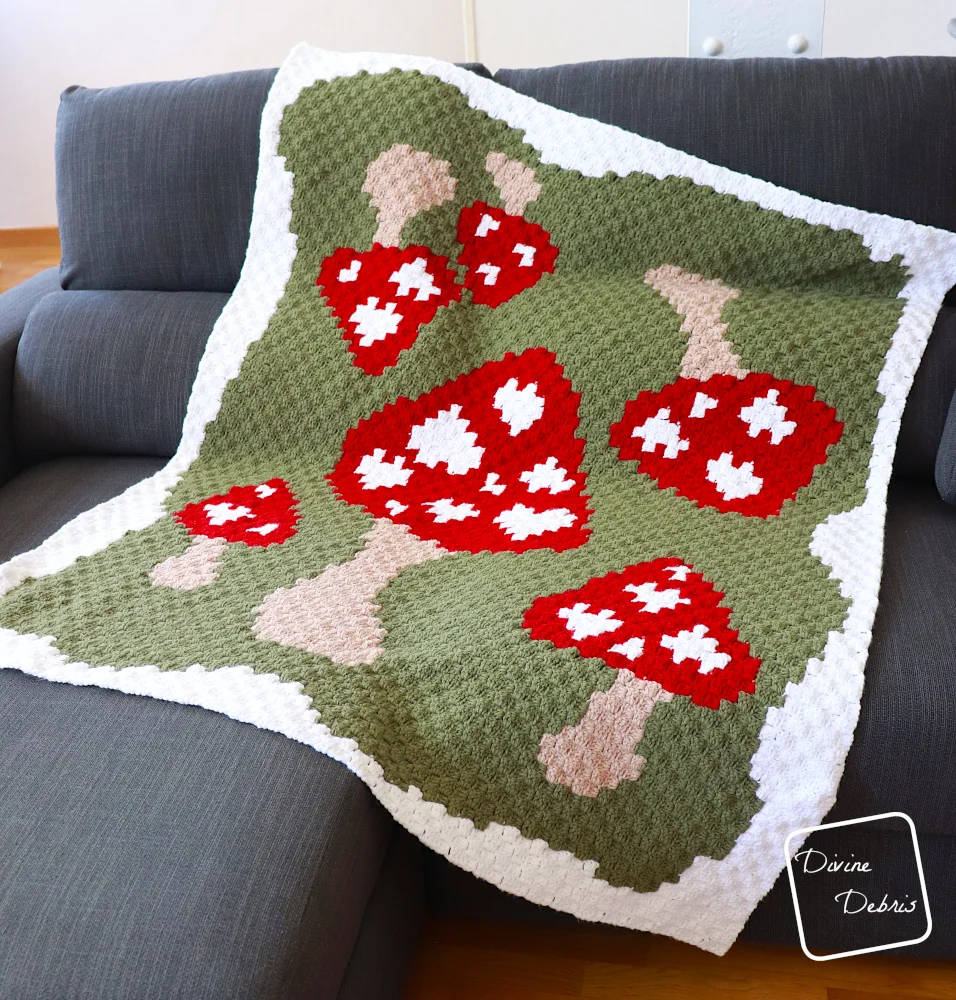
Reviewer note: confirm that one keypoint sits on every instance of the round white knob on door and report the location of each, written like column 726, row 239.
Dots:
column 798, row 43
column 712, row 46
column 951, row 27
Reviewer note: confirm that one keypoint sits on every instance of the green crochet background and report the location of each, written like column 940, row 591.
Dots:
column 461, row 696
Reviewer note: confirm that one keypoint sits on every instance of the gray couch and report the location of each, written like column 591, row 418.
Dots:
column 153, row 851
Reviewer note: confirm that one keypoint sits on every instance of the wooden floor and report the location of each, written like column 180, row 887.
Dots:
column 24, row 252
column 467, row 961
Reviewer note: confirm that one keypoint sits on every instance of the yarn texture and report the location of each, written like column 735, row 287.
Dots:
column 537, row 473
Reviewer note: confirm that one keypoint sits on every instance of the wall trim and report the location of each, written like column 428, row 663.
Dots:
column 469, row 25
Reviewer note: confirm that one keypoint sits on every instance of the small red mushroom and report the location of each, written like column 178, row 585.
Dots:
column 505, row 253
column 383, row 296
column 722, row 436
column 488, row 462
column 662, row 626
column 256, row 516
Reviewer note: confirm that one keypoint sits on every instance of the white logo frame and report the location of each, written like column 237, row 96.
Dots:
column 803, row 834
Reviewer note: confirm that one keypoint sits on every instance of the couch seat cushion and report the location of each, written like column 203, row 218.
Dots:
column 155, row 851
column 44, row 497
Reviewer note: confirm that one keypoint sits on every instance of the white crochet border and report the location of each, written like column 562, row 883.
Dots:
column 803, row 744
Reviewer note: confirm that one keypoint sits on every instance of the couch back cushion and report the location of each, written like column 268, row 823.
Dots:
column 108, row 373
column 929, row 402
column 155, row 182
column 877, row 134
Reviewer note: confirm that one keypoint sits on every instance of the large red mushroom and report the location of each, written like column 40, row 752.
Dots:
column 662, row 626
column 257, row 516
column 488, row 462
column 505, row 253
column 719, row 435
column 382, row 297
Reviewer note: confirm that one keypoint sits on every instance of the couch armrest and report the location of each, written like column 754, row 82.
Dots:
column 15, row 306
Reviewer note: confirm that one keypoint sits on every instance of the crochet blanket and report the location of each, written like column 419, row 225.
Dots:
column 534, row 471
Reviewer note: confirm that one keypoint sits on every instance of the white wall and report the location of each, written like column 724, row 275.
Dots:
column 888, row 28
column 517, row 33
column 47, row 45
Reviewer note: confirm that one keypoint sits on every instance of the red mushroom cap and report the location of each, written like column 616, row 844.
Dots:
column 383, row 296
column 736, row 444
column 660, row 620
column 505, row 254
column 257, row 515
column 486, row 462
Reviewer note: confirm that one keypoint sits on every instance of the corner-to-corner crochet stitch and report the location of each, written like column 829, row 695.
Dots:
column 536, row 472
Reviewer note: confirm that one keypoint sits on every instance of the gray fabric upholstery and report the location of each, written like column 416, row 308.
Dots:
column 15, row 306
column 155, row 182
column 946, row 457
column 155, row 851
column 927, row 406
column 44, row 497
column 903, row 756
column 877, row 134
column 109, row 373
column 479, row 69
column 390, row 926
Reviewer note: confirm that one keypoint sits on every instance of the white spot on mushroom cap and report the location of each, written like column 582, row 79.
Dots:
column 374, row 324
column 660, row 429
column 221, row 513
column 490, row 271
column 374, row 471
column 415, row 275
column 733, row 482
column 526, row 253
column 351, row 272
column 702, row 403
column 584, row 624
column 264, row 529
column 695, row 644
column 655, row 600
column 446, row 509
column 492, row 485
column 520, row 522
column 632, row 648
column 519, row 408
column 446, row 438
column 487, row 224
column 765, row 414
column 547, row 475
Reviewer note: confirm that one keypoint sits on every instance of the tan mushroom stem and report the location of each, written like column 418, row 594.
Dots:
column 598, row 752
column 403, row 182
column 334, row 614
column 514, row 180
column 196, row 567
column 700, row 301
